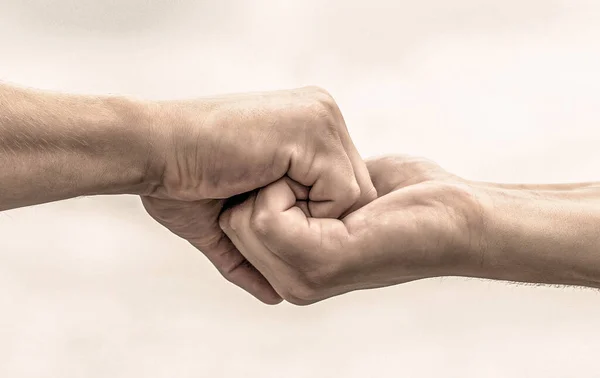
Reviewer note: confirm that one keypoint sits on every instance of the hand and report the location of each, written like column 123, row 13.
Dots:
column 213, row 149
column 424, row 224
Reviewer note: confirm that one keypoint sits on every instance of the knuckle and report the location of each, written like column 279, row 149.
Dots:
column 324, row 106
column 225, row 220
column 325, row 116
column 234, row 219
column 261, row 222
column 317, row 90
column 300, row 294
column 353, row 191
column 327, row 101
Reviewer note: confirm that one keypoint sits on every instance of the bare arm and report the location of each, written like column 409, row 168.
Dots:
column 55, row 146
column 547, row 236
column 184, row 157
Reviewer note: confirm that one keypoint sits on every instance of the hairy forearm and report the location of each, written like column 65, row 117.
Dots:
column 541, row 234
column 55, row 146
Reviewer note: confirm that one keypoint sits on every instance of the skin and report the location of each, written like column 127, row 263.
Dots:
column 316, row 220
column 184, row 158
column 425, row 223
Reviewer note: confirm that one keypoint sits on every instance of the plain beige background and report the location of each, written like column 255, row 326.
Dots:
column 500, row 90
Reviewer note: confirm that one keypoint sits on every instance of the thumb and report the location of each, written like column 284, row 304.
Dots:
column 390, row 173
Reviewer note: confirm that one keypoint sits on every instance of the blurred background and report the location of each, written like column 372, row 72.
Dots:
column 492, row 90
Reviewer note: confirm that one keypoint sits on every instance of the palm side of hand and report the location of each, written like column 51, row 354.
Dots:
column 413, row 230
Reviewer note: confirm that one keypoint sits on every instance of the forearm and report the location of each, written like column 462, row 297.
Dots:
column 56, row 146
column 550, row 234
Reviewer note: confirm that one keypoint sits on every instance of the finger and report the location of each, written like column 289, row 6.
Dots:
column 390, row 173
column 239, row 271
column 343, row 186
column 277, row 203
column 344, row 179
column 285, row 229
column 335, row 171
column 368, row 191
column 385, row 173
column 235, row 223
column 219, row 250
column 330, row 176
column 280, row 196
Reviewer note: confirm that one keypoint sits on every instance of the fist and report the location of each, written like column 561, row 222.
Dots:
column 422, row 225
column 208, row 150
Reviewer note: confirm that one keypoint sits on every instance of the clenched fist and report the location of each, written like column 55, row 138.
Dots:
column 312, row 226
column 207, row 150
column 425, row 223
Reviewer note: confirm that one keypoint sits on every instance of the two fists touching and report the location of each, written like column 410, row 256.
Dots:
column 316, row 226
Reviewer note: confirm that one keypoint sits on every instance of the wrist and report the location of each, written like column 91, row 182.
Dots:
column 135, row 147
column 175, row 133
